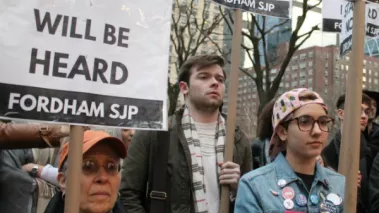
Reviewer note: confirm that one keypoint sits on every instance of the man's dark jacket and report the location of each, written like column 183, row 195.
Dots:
column 373, row 139
column 139, row 163
column 17, row 187
column 374, row 186
column 331, row 155
column 258, row 151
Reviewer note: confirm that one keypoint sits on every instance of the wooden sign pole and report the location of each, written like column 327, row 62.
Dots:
column 350, row 146
column 75, row 156
column 232, row 102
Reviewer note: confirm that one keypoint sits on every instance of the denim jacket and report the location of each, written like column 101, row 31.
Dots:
column 259, row 190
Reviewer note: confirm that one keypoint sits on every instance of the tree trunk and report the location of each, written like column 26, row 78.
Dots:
column 263, row 102
column 173, row 94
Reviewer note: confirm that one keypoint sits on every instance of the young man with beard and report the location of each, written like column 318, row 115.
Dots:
column 332, row 151
column 195, row 168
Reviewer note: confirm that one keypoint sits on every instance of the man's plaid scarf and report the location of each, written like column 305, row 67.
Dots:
column 199, row 187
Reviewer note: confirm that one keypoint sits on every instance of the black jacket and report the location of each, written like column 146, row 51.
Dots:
column 17, row 187
column 331, row 155
column 373, row 138
column 56, row 205
column 374, row 186
column 258, row 147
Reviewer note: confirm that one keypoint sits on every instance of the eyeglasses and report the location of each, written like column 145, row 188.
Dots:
column 367, row 111
column 90, row 167
column 306, row 123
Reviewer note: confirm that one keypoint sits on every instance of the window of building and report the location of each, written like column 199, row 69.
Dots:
column 310, row 63
column 310, row 72
column 302, row 56
column 375, row 81
column 302, row 65
column 336, row 73
column 310, row 81
column 364, row 79
column 310, row 54
column 376, row 73
column 364, row 70
column 293, row 83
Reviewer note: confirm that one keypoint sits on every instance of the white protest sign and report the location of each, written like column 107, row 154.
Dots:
column 346, row 35
column 332, row 13
column 372, row 20
column 278, row 8
column 85, row 62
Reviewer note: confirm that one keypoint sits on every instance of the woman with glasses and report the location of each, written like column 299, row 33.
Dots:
column 294, row 181
column 100, row 178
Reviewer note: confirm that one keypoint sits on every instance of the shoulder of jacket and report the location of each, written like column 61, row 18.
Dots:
column 259, row 173
column 239, row 135
column 332, row 174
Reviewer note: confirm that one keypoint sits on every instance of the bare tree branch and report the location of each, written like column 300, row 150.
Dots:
column 307, row 35
column 258, row 53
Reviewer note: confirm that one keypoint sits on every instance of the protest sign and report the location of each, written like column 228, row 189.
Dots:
column 346, row 28
column 85, row 62
column 332, row 13
column 278, row 8
column 372, row 20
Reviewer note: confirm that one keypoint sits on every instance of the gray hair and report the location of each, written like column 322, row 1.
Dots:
column 64, row 168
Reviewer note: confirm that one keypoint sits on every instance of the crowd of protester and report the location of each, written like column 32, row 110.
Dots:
column 292, row 165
